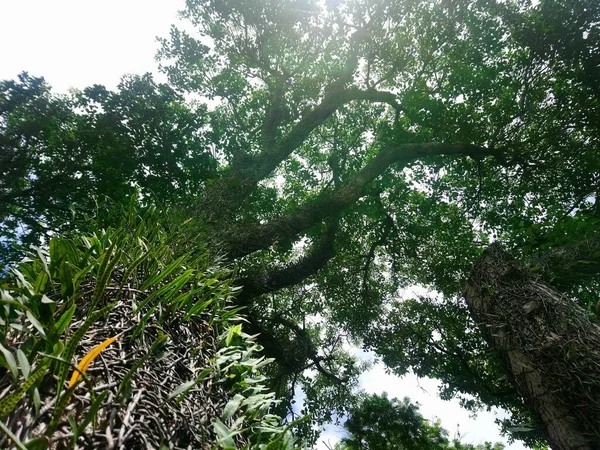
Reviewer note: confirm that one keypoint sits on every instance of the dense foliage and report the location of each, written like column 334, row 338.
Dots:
column 159, row 318
column 61, row 155
column 382, row 423
column 352, row 149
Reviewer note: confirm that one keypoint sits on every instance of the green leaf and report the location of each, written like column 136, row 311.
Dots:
column 158, row 277
column 41, row 281
column 232, row 406
column 234, row 331
column 38, row 326
column 105, row 270
column 198, row 308
column 24, row 363
column 14, row 304
column 39, row 443
column 64, row 321
column 131, row 267
column 66, row 279
column 80, row 276
column 11, row 363
column 91, row 414
column 182, row 389
column 37, row 401
column 224, row 434
column 12, row 437
column 74, row 428
column 8, row 403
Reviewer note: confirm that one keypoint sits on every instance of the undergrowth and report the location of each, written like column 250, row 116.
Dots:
column 126, row 338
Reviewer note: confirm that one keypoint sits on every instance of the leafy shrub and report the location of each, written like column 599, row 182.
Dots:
column 149, row 310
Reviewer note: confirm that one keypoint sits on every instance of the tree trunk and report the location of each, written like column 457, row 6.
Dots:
column 550, row 348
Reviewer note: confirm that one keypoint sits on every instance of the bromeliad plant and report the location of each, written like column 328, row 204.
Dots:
column 132, row 317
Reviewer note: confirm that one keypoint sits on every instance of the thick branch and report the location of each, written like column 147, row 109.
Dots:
column 243, row 241
column 293, row 273
column 247, row 171
column 336, row 97
column 274, row 114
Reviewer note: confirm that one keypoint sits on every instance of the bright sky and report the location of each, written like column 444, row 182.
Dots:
column 77, row 43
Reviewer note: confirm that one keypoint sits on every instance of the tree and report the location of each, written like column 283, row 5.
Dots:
column 378, row 422
column 361, row 147
column 61, row 155
column 547, row 343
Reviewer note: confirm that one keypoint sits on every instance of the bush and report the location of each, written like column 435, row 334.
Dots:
column 131, row 318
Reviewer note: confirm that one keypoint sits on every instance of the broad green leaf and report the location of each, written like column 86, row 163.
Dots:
column 224, row 434
column 41, row 281
column 23, row 363
column 232, row 406
column 10, row 361
column 234, row 331
column 38, row 326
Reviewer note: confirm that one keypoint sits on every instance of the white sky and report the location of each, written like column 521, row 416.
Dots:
column 77, row 43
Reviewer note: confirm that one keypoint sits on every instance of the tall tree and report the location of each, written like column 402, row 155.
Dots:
column 547, row 343
column 379, row 422
column 61, row 155
column 361, row 147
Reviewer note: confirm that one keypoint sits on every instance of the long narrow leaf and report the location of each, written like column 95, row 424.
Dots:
column 24, row 363
column 133, row 266
column 64, row 321
column 38, row 326
column 74, row 341
column 94, row 407
column 10, row 360
column 105, row 270
column 162, row 338
column 158, row 277
column 8, row 403
column 12, row 437
column 87, row 360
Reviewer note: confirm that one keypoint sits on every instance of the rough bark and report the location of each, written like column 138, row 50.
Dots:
column 550, row 348
column 279, row 278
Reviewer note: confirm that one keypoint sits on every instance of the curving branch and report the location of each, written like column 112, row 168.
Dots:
column 241, row 241
column 336, row 96
column 247, row 171
column 291, row 274
column 311, row 348
column 291, row 362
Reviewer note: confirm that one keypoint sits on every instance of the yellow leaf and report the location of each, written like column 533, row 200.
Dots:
column 87, row 360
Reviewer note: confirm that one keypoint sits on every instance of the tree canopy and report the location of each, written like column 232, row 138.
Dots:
column 379, row 422
column 341, row 152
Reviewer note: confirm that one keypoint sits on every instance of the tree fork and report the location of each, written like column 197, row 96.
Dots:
column 550, row 349
column 242, row 240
